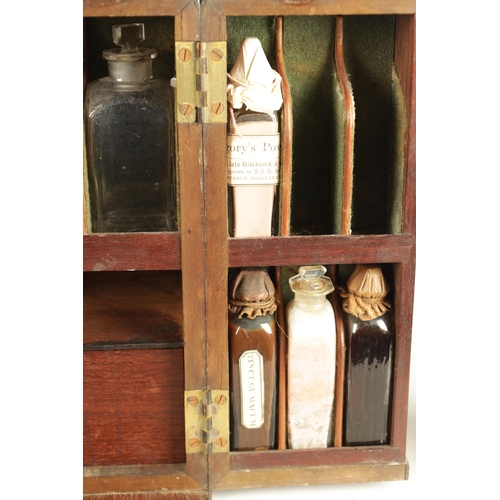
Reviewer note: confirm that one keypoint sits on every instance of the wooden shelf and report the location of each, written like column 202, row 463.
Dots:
column 131, row 251
column 159, row 251
column 330, row 249
column 302, row 475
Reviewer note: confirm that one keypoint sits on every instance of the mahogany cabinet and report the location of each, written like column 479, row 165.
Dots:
column 156, row 376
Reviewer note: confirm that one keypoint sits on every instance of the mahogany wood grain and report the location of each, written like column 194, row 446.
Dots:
column 213, row 22
column 213, row 28
column 170, row 495
column 328, row 249
column 146, row 479
column 216, row 254
column 405, row 57
column 192, row 251
column 340, row 362
column 286, row 134
column 133, row 380
column 132, row 309
column 192, row 226
column 104, row 8
column 301, row 475
column 216, row 275
column 131, row 251
column 132, row 407
column 314, row 7
column 346, row 89
column 284, row 220
column 405, row 61
column 187, row 22
column 282, row 356
column 193, row 270
column 97, row 8
column 316, row 458
column 404, row 277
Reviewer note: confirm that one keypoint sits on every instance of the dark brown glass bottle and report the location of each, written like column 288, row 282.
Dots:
column 252, row 344
column 369, row 333
column 368, row 381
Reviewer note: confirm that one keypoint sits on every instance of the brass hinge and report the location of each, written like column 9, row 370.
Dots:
column 207, row 421
column 201, row 82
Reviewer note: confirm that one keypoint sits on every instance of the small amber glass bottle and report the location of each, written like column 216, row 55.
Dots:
column 369, row 334
column 252, row 344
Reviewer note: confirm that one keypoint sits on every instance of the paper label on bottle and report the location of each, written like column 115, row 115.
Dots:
column 253, row 159
column 251, row 364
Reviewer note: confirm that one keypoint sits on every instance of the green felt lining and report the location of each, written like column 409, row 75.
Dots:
column 318, row 110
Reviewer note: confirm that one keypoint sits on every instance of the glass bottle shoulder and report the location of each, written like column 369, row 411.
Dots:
column 383, row 325
column 246, row 115
column 107, row 91
column 252, row 324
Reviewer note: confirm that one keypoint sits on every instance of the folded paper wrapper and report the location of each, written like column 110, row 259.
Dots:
column 252, row 82
column 366, row 289
column 252, row 294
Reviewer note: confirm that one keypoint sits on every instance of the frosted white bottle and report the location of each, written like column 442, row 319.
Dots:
column 311, row 359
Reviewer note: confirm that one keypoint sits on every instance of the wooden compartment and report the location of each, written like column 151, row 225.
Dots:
column 133, row 369
column 146, row 345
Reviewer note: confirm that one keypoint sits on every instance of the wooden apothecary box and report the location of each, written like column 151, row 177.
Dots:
column 155, row 304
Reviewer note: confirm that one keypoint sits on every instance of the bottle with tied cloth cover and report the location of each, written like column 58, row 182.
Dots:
column 253, row 141
column 311, row 359
column 130, row 141
column 369, row 335
column 252, row 344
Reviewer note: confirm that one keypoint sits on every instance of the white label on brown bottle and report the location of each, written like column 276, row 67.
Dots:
column 253, row 159
column 251, row 365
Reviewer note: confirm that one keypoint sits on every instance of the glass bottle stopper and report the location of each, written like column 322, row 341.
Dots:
column 312, row 279
column 128, row 37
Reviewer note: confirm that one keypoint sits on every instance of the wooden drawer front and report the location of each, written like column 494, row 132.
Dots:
column 133, row 407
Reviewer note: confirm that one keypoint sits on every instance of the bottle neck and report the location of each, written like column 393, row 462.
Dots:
column 310, row 301
column 133, row 71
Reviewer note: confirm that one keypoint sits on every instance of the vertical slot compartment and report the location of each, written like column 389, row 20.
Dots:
column 380, row 129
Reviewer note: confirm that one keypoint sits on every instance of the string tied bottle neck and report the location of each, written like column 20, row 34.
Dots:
column 252, row 294
column 365, row 293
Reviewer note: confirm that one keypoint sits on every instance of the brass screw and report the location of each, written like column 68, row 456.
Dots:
column 194, row 442
column 218, row 108
column 221, row 442
column 192, row 400
column 184, row 55
column 221, row 399
column 216, row 54
column 186, row 109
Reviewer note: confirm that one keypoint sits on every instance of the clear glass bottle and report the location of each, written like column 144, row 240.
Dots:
column 253, row 142
column 311, row 359
column 369, row 333
column 130, row 141
column 252, row 344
